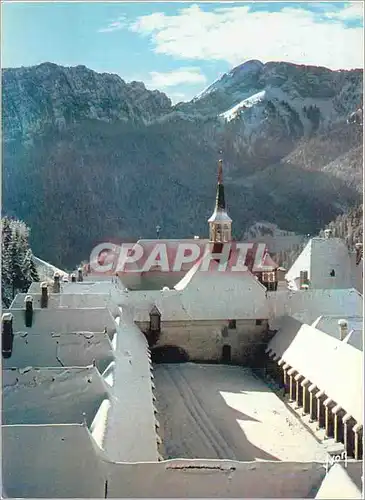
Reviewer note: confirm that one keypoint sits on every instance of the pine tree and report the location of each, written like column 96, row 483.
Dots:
column 17, row 270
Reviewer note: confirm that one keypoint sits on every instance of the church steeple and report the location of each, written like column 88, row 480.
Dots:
column 220, row 201
column 220, row 222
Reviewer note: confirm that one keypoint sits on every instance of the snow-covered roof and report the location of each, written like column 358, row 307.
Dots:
column 56, row 461
column 71, row 465
column 130, row 434
column 337, row 483
column 51, row 395
column 327, row 262
column 60, row 349
column 172, row 246
column 343, row 385
column 308, row 305
column 46, row 270
column 64, row 320
column 207, row 295
column 220, row 216
column 355, row 339
column 329, row 324
column 68, row 300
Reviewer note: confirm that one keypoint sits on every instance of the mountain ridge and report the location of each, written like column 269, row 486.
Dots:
column 96, row 157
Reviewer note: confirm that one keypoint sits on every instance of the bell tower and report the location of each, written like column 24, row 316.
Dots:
column 220, row 224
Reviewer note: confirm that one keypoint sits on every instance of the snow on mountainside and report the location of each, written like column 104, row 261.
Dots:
column 87, row 156
column 299, row 88
column 284, row 81
column 229, row 80
column 246, row 103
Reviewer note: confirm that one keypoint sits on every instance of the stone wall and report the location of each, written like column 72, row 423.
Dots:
column 204, row 340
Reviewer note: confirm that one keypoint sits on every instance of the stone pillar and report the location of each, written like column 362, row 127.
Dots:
column 329, row 404
column 277, row 370
column 44, row 295
column 267, row 363
column 286, row 367
column 312, row 389
column 306, row 396
column 298, row 391
column 271, row 365
column 292, row 384
column 358, row 449
column 338, row 414
column 273, row 369
column 28, row 311
column 280, row 364
column 348, row 435
column 7, row 335
column 56, row 283
column 321, row 414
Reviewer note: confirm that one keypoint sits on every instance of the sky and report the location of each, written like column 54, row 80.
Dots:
column 180, row 48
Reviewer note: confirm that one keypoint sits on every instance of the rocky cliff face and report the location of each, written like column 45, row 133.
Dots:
column 38, row 98
column 89, row 157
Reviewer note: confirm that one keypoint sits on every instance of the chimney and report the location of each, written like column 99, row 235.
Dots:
column 358, row 249
column 28, row 311
column 79, row 274
column 303, row 280
column 44, row 295
column 73, row 278
column 56, row 283
column 342, row 323
column 7, row 334
column 328, row 233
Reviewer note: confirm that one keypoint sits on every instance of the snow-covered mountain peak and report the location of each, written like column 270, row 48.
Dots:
column 248, row 67
column 230, row 80
column 232, row 113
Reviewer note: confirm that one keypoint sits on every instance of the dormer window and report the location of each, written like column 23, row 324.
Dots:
column 155, row 320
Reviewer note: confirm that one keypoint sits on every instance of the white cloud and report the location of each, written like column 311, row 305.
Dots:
column 234, row 34
column 176, row 77
column 116, row 25
column 352, row 12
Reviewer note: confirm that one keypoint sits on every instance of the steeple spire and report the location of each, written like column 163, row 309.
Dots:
column 220, row 201
column 220, row 222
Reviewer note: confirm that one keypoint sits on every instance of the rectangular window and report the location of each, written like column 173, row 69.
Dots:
column 258, row 322
column 232, row 324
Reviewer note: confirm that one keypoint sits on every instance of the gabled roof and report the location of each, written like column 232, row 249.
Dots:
column 355, row 339
column 37, row 395
column 46, row 270
column 337, row 483
column 319, row 257
column 172, row 246
column 329, row 324
column 297, row 346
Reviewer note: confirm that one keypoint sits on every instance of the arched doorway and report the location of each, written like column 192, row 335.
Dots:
column 169, row 354
column 226, row 354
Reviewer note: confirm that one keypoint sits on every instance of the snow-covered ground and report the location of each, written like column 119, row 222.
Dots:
column 225, row 412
